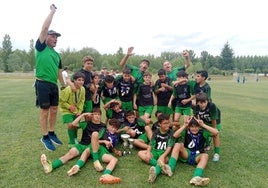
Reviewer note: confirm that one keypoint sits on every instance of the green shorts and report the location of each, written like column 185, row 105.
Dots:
column 88, row 106
column 144, row 138
column 102, row 150
column 81, row 148
column 157, row 153
column 145, row 109
column 127, row 106
column 165, row 110
column 184, row 111
column 189, row 155
column 68, row 118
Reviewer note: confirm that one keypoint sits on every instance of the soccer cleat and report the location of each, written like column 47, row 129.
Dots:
column 98, row 166
column 166, row 170
column 152, row 175
column 73, row 170
column 48, row 144
column 54, row 139
column 216, row 157
column 199, row 181
column 109, row 179
column 46, row 164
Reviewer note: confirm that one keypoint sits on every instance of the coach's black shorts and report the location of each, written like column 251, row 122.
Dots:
column 47, row 94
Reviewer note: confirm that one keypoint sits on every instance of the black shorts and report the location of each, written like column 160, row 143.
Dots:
column 47, row 94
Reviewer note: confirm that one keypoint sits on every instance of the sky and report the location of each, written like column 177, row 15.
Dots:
column 150, row 26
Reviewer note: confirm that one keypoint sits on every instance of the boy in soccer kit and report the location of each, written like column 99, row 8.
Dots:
column 90, row 126
column 159, row 148
column 182, row 93
column 125, row 87
column 88, row 62
column 163, row 90
column 145, row 98
column 108, row 92
column 209, row 113
column 117, row 112
column 72, row 104
column 137, row 129
column 191, row 150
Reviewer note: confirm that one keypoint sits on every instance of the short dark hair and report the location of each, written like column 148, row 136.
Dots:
column 146, row 60
column 130, row 113
column 113, row 104
column 163, row 117
column 109, row 79
column 182, row 73
column 96, row 109
column 193, row 121
column 201, row 97
column 79, row 75
column 115, row 123
column 126, row 71
column 161, row 72
column 203, row 73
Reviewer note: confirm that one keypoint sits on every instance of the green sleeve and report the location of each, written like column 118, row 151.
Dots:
column 82, row 125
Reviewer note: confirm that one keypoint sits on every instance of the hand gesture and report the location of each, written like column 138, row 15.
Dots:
column 130, row 50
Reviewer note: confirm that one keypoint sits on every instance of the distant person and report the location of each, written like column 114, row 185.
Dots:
column 244, row 79
column 48, row 71
column 65, row 75
column 238, row 79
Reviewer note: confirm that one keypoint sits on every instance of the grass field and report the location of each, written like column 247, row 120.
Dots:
column 244, row 142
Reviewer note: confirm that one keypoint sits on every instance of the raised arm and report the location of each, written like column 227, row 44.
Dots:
column 46, row 24
column 186, row 54
column 125, row 58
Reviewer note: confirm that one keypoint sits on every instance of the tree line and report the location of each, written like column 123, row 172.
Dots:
column 226, row 63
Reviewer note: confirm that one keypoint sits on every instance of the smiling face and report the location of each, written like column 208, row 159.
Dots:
column 79, row 82
column 143, row 66
column 164, row 125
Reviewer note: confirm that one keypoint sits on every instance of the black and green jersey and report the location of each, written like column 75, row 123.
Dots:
column 161, row 141
column 211, row 112
column 163, row 96
column 88, row 128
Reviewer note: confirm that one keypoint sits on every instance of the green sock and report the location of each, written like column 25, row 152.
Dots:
column 217, row 150
column 57, row 163
column 153, row 162
column 95, row 156
column 157, row 169
column 198, row 172
column 172, row 163
column 107, row 171
column 72, row 136
column 80, row 163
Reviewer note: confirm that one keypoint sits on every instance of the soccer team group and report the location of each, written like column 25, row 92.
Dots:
column 187, row 121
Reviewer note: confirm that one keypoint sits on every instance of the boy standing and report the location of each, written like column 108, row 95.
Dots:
column 125, row 88
column 182, row 93
column 72, row 103
column 88, row 62
column 145, row 98
column 163, row 90
column 191, row 150
column 159, row 149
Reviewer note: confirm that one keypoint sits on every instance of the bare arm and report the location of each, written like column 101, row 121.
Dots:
column 125, row 58
column 187, row 58
column 46, row 24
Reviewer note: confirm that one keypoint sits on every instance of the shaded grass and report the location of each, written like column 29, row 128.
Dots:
column 243, row 143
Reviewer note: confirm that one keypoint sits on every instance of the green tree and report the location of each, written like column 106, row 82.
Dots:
column 6, row 51
column 227, row 59
column 31, row 55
